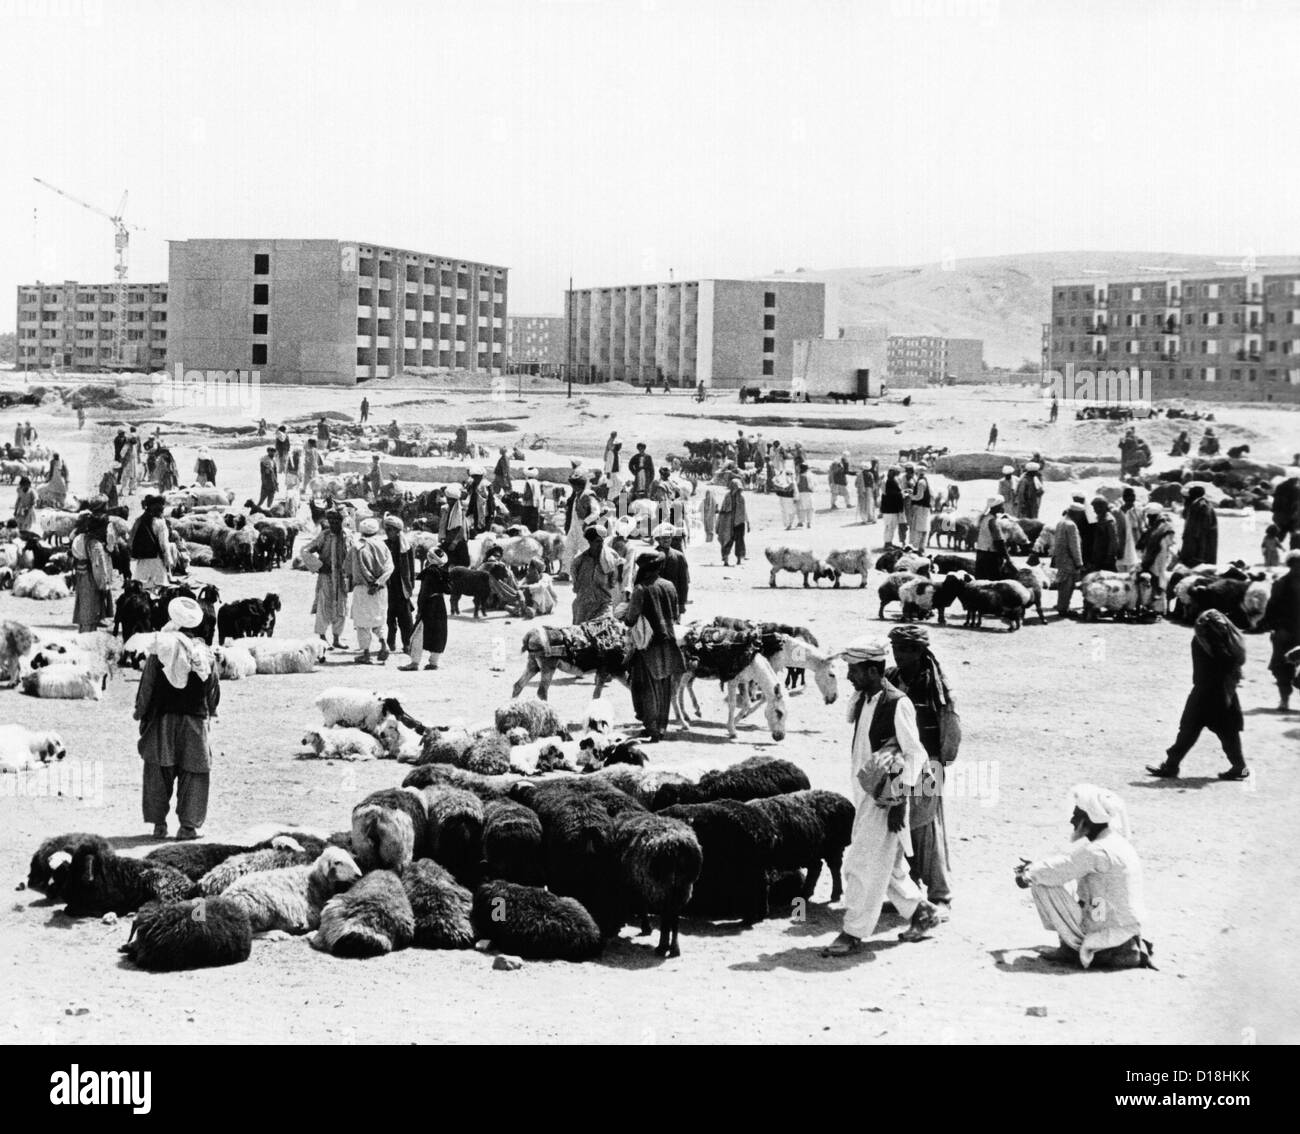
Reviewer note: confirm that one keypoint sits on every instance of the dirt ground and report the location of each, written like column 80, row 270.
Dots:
column 1042, row 709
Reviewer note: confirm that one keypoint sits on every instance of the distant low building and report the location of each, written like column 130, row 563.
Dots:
column 536, row 344
column 824, row 367
column 932, row 360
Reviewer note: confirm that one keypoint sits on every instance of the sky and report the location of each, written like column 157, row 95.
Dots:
column 619, row 141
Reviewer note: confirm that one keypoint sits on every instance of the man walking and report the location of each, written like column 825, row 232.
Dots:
column 270, row 478
column 365, row 410
column 887, row 759
column 993, row 438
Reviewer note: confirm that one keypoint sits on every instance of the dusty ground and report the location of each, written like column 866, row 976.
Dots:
column 1042, row 709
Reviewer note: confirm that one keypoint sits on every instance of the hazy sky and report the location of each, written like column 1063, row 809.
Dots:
column 617, row 139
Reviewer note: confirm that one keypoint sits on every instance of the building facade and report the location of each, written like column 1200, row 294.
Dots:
column 724, row 333
column 1228, row 337
column 73, row 326
column 328, row 312
column 925, row 360
column 853, row 367
column 536, row 343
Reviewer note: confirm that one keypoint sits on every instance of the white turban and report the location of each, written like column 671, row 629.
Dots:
column 369, row 526
column 1101, row 805
column 664, row 531
column 1007, row 470
column 866, row 650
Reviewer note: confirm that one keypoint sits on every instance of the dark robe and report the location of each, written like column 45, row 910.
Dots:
column 654, row 671
column 678, row 572
column 1200, row 533
column 431, row 607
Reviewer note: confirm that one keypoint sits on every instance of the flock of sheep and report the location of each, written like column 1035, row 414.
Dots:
column 526, row 836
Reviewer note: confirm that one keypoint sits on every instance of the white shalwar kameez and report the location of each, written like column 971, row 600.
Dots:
column 875, row 864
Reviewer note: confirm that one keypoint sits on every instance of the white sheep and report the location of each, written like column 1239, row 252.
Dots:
column 290, row 899
column 22, row 748
column 356, row 708
column 545, row 754
column 55, row 523
column 233, row 662
column 282, row 655
column 399, row 741
column 68, row 682
column 337, row 742
column 39, row 585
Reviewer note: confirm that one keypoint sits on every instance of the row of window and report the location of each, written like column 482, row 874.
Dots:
column 1208, row 319
column 1154, row 346
column 1156, row 292
column 384, row 357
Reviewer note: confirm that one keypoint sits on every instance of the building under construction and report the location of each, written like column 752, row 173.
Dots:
column 73, row 326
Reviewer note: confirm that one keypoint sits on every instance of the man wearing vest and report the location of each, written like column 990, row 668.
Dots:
column 887, row 760
column 152, row 556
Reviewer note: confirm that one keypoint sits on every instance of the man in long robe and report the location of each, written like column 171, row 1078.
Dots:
column 1200, row 530
column 642, row 470
column 580, row 510
column 595, row 576
column 653, row 671
column 674, row 568
column 333, row 583
column 1282, row 617
column 887, row 759
column 401, row 585
column 369, row 565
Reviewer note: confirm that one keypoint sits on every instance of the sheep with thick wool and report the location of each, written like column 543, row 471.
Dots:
column 641, row 783
column 534, row 715
column 488, row 753
column 446, row 747
column 512, row 843
column 195, row 859
column 487, row 788
column 100, row 881
column 811, row 827
column 454, row 835
column 535, row 924
column 659, row 860
column 371, row 918
column 234, row 663
column 284, row 851
column 737, row 842
column 339, row 743
column 66, row 682
column 389, row 829
column 194, row 934
column 358, row 708
column 51, row 861
column 291, row 899
column 40, row 586
column 399, row 742
column 281, row 655
column 16, row 642
column 755, row 778
column 441, row 906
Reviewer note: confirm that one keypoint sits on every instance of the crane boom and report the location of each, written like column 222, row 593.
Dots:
column 121, row 243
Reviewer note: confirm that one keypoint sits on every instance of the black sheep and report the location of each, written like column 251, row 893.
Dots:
column 390, row 827
column 737, row 842
column 487, row 788
column 48, row 873
column 512, row 843
column 271, row 548
column 469, row 581
column 101, row 882
column 194, row 934
column 755, row 778
column 248, row 618
column 535, row 924
column 660, row 859
column 811, row 826
column 440, row 904
column 454, row 835
column 194, row 859
column 372, row 918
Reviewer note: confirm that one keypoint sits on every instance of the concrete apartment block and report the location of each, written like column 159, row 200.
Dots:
column 72, row 325
column 724, row 333
column 536, row 340
column 1230, row 336
column 925, row 360
column 328, row 312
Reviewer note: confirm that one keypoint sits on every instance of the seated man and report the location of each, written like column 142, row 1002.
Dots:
column 1100, row 923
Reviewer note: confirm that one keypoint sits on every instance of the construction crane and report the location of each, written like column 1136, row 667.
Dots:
column 121, row 242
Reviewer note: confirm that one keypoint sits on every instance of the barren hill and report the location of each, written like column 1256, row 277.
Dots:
column 1003, row 300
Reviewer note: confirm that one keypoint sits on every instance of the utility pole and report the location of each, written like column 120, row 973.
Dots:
column 568, row 309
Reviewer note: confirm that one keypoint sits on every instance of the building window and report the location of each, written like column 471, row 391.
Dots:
column 769, row 322
column 769, row 299
column 769, row 367
column 261, row 264
column 769, row 345
column 261, row 293
column 259, row 323
column 259, row 354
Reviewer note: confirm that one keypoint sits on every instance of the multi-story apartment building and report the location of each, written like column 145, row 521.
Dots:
column 73, row 326
column 924, row 360
column 1234, row 336
column 724, row 333
column 329, row 312
column 537, row 343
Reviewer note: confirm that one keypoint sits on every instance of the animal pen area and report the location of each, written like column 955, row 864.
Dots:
column 1042, row 708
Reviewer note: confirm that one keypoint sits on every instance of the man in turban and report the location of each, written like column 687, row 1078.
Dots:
column 369, row 564
column 401, row 585
column 1200, row 529
column 332, row 581
column 595, row 574
column 674, row 567
column 1100, row 924
column 918, row 674
column 1067, row 557
column 887, row 759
